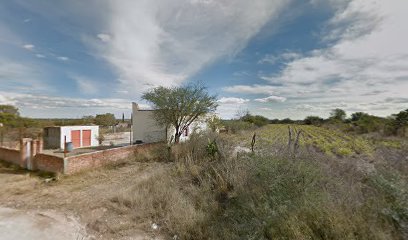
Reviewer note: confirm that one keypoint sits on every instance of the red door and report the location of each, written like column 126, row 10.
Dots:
column 76, row 138
column 86, row 138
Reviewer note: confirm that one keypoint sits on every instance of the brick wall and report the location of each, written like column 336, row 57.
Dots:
column 100, row 158
column 10, row 155
column 48, row 163
column 70, row 165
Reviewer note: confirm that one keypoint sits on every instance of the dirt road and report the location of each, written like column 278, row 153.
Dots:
column 86, row 196
column 46, row 225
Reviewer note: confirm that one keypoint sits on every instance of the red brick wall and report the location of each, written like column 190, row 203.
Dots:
column 97, row 159
column 77, row 163
column 10, row 155
column 48, row 163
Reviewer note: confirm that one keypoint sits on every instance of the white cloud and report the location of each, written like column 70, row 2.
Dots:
column 284, row 57
column 366, row 60
column 163, row 43
column 28, row 46
column 251, row 89
column 62, row 58
column 268, row 58
column 86, row 85
column 104, row 37
column 38, row 101
column 21, row 76
column 232, row 100
column 271, row 99
column 39, row 55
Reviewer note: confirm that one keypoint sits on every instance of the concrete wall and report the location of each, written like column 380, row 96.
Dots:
column 145, row 128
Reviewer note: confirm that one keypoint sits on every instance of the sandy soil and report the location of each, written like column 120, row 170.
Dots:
column 46, row 225
column 86, row 196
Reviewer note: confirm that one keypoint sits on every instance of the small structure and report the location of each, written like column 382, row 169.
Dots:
column 80, row 136
column 145, row 129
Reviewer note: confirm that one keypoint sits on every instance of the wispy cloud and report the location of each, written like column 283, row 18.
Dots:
column 368, row 54
column 251, row 89
column 270, row 99
column 170, row 41
column 86, row 85
column 29, row 47
column 232, row 100
column 284, row 57
column 62, row 58
column 104, row 37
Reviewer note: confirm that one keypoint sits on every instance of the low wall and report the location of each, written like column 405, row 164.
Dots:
column 100, row 158
column 10, row 155
column 48, row 163
column 74, row 164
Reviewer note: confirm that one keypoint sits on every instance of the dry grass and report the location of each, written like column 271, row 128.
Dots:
column 267, row 195
column 261, row 195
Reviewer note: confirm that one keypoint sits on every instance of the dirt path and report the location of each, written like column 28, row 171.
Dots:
column 86, row 196
column 46, row 225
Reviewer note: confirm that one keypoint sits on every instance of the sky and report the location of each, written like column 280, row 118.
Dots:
column 277, row 58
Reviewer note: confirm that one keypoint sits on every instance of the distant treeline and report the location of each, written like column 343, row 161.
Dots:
column 358, row 122
column 10, row 117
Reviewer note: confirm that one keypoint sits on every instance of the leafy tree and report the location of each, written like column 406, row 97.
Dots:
column 401, row 121
column 88, row 119
column 180, row 106
column 338, row 114
column 357, row 116
column 9, row 116
column 9, row 109
column 366, row 123
column 107, row 119
column 257, row 120
column 214, row 123
column 287, row 121
column 313, row 120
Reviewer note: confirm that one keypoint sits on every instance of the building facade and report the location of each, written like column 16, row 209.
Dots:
column 145, row 129
column 80, row 136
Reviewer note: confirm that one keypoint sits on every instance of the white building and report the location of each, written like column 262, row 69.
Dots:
column 80, row 136
column 145, row 128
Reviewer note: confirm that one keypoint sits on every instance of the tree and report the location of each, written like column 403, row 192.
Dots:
column 88, row 119
column 178, row 107
column 9, row 116
column 214, row 123
column 358, row 115
column 257, row 120
column 313, row 120
column 9, row 109
column 401, row 121
column 338, row 114
column 107, row 119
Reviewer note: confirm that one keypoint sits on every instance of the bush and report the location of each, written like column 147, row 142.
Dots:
column 235, row 126
column 268, row 196
column 313, row 120
column 257, row 120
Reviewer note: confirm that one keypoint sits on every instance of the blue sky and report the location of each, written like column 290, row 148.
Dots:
column 275, row 58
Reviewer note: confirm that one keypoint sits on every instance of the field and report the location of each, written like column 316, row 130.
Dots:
column 338, row 186
column 330, row 142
